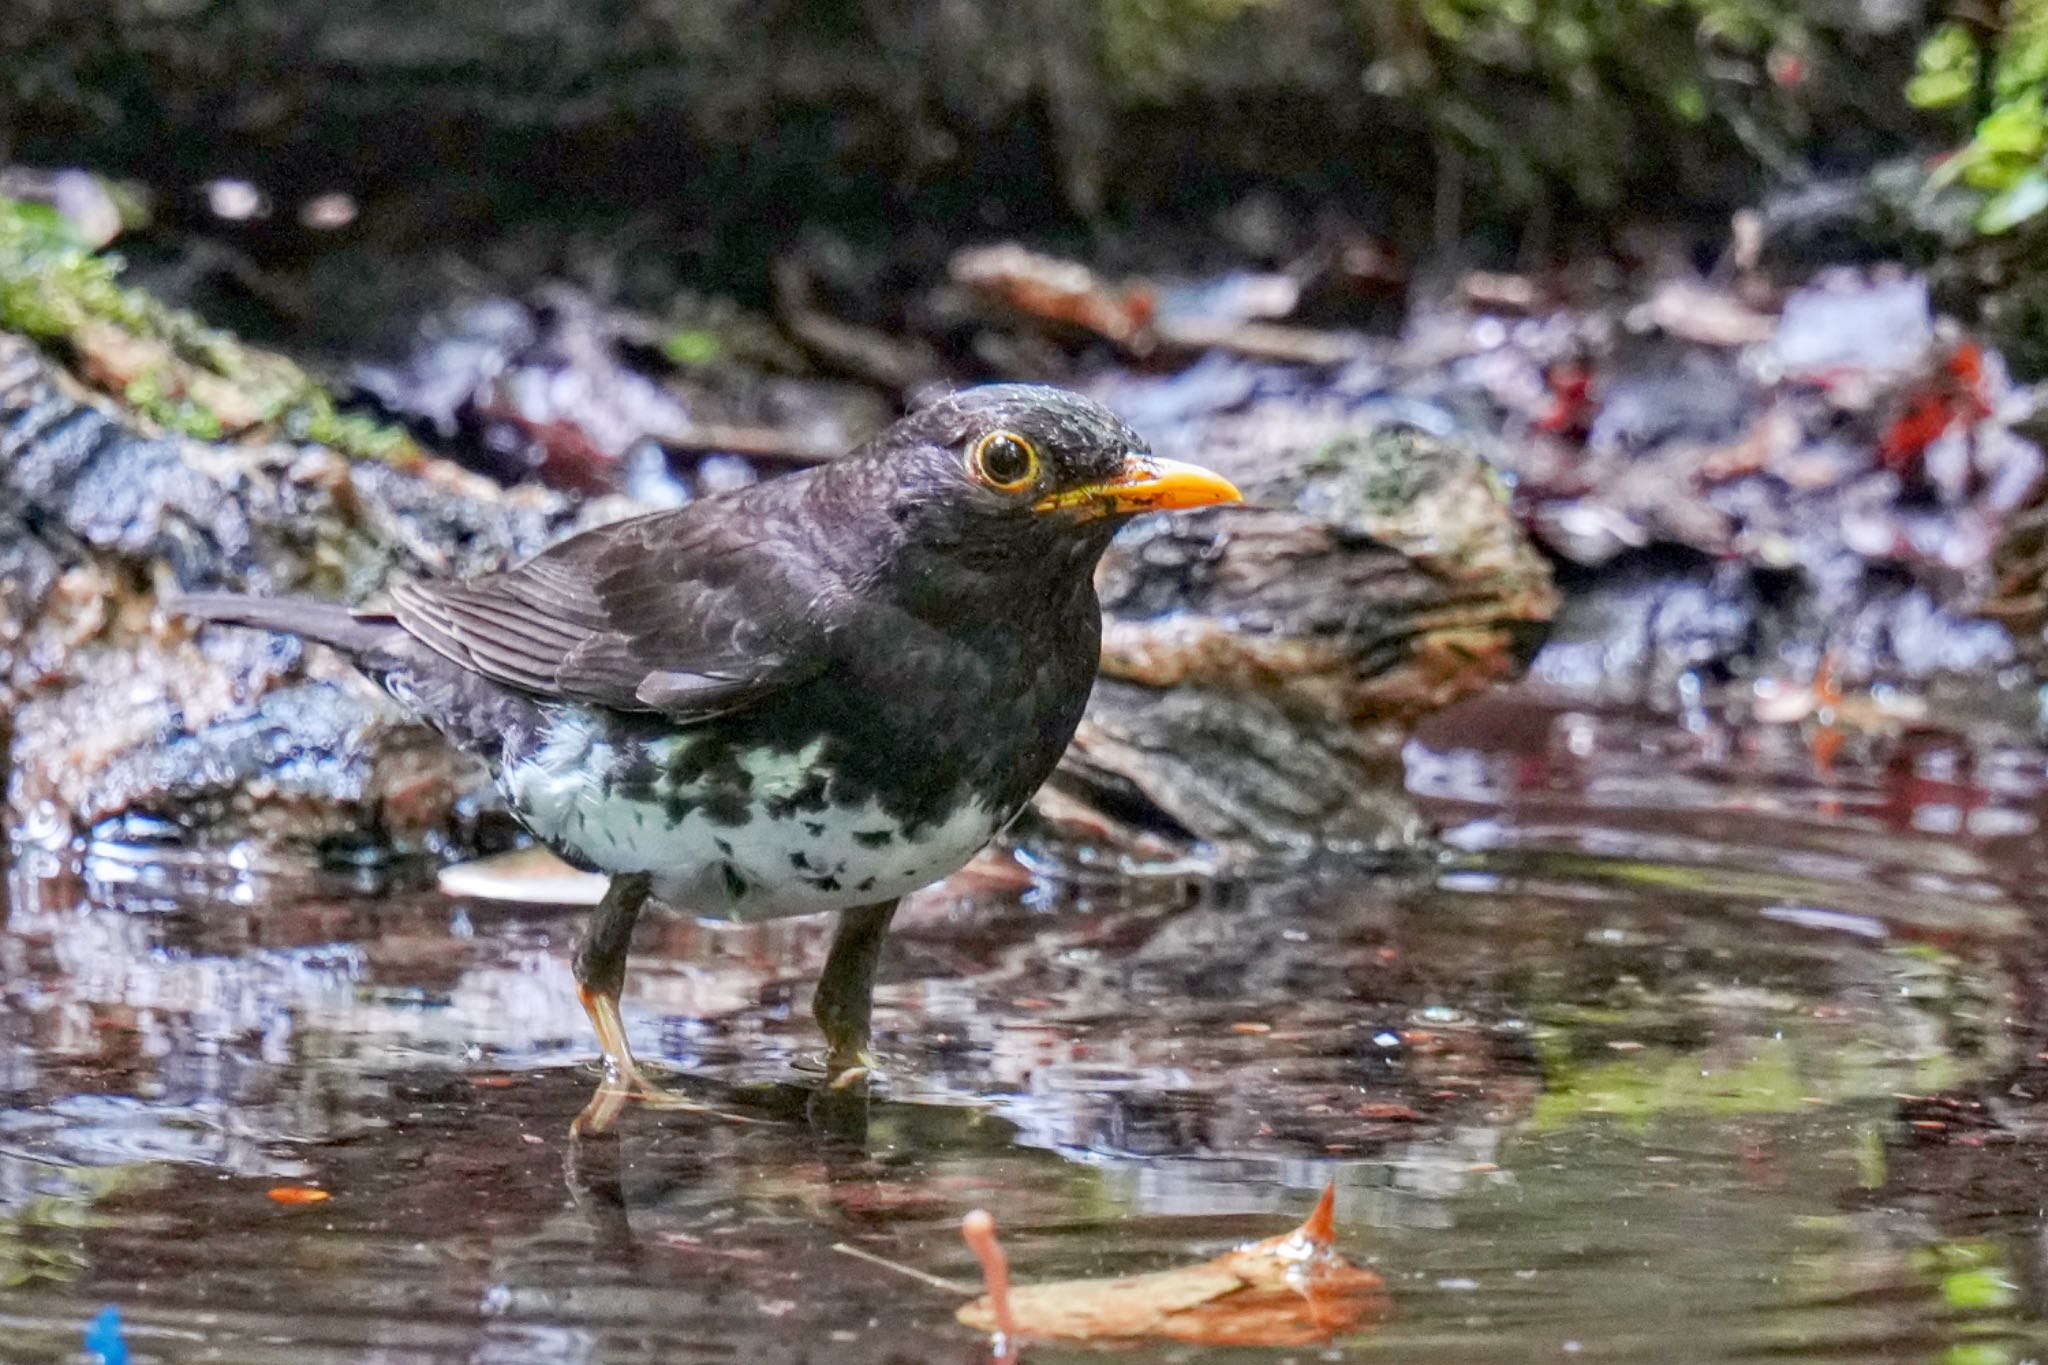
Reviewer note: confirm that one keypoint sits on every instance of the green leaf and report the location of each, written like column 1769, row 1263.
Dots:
column 1940, row 89
column 1978, row 1290
column 1948, row 65
column 2022, row 62
column 2012, row 129
column 2024, row 199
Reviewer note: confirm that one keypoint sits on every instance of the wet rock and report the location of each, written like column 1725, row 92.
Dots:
column 1262, row 668
column 1644, row 630
column 452, row 360
column 123, row 727
column 1661, row 396
column 1885, row 328
column 564, row 390
column 157, row 745
column 533, row 392
column 1672, row 630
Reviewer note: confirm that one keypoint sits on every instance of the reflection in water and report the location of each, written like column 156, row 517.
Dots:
column 1623, row 1068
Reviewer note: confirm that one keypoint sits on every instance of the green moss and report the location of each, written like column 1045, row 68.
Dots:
column 40, row 1239
column 693, row 346
column 316, row 420
column 1391, row 467
column 51, row 283
column 147, row 394
column 164, row 363
column 1643, row 1086
column 1975, row 1291
column 1980, row 1353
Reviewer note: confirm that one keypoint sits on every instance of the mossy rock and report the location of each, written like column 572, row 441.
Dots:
column 165, row 364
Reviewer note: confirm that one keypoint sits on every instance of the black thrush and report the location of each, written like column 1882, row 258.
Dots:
column 817, row 693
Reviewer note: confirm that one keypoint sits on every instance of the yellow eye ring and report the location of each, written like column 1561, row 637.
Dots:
column 1004, row 461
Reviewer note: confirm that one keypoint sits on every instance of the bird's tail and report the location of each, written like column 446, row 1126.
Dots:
column 329, row 623
column 470, row 709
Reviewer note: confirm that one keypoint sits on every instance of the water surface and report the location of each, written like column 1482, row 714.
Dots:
column 1697, row 1044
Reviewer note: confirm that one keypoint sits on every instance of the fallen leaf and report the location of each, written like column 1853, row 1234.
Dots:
column 1699, row 313
column 297, row 1194
column 1291, row 1290
column 1389, row 1113
column 1063, row 293
column 525, row 876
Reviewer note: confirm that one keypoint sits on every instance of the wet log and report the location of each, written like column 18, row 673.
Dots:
column 123, row 728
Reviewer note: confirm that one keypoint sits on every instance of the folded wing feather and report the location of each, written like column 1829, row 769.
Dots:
column 608, row 621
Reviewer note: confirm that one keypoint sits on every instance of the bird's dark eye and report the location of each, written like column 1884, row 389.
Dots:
column 1004, row 461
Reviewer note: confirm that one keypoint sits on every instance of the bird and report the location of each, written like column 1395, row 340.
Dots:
column 814, row 694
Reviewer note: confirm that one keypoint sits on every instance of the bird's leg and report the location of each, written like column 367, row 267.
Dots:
column 846, row 990
column 600, row 967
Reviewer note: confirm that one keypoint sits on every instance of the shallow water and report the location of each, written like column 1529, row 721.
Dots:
column 1672, row 1056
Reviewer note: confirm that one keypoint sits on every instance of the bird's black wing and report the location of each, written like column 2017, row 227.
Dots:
column 691, row 613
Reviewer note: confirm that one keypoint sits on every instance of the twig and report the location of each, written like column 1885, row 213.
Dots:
column 1262, row 341
column 921, row 1276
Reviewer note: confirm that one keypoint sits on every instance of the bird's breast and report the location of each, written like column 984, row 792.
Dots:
column 733, row 823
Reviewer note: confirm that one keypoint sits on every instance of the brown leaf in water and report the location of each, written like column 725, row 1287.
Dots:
column 1291, row 1290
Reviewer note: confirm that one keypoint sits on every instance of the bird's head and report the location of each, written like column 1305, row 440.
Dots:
column 1008, row 482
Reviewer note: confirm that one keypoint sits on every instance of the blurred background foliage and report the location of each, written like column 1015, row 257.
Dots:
column 1543, row 103
column 692, row 143
column 1496, row 118
column 1995, row 69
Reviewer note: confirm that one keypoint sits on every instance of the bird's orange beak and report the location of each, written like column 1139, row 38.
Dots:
column 1145, row 484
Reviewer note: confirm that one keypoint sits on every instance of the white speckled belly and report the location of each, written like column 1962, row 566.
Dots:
column 801, row 863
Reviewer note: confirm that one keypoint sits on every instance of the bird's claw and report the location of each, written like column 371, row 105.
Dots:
column 627, row 1084
column 845, row 1063
column 849, row 1076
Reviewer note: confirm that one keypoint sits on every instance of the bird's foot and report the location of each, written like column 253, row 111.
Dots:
column 624, row 1079
column 844, row 1003
column 625, row 1083
column 846, row 1062
column 849, row 1071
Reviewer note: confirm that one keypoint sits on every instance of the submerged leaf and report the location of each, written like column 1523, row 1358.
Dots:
column 1291, row 1290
